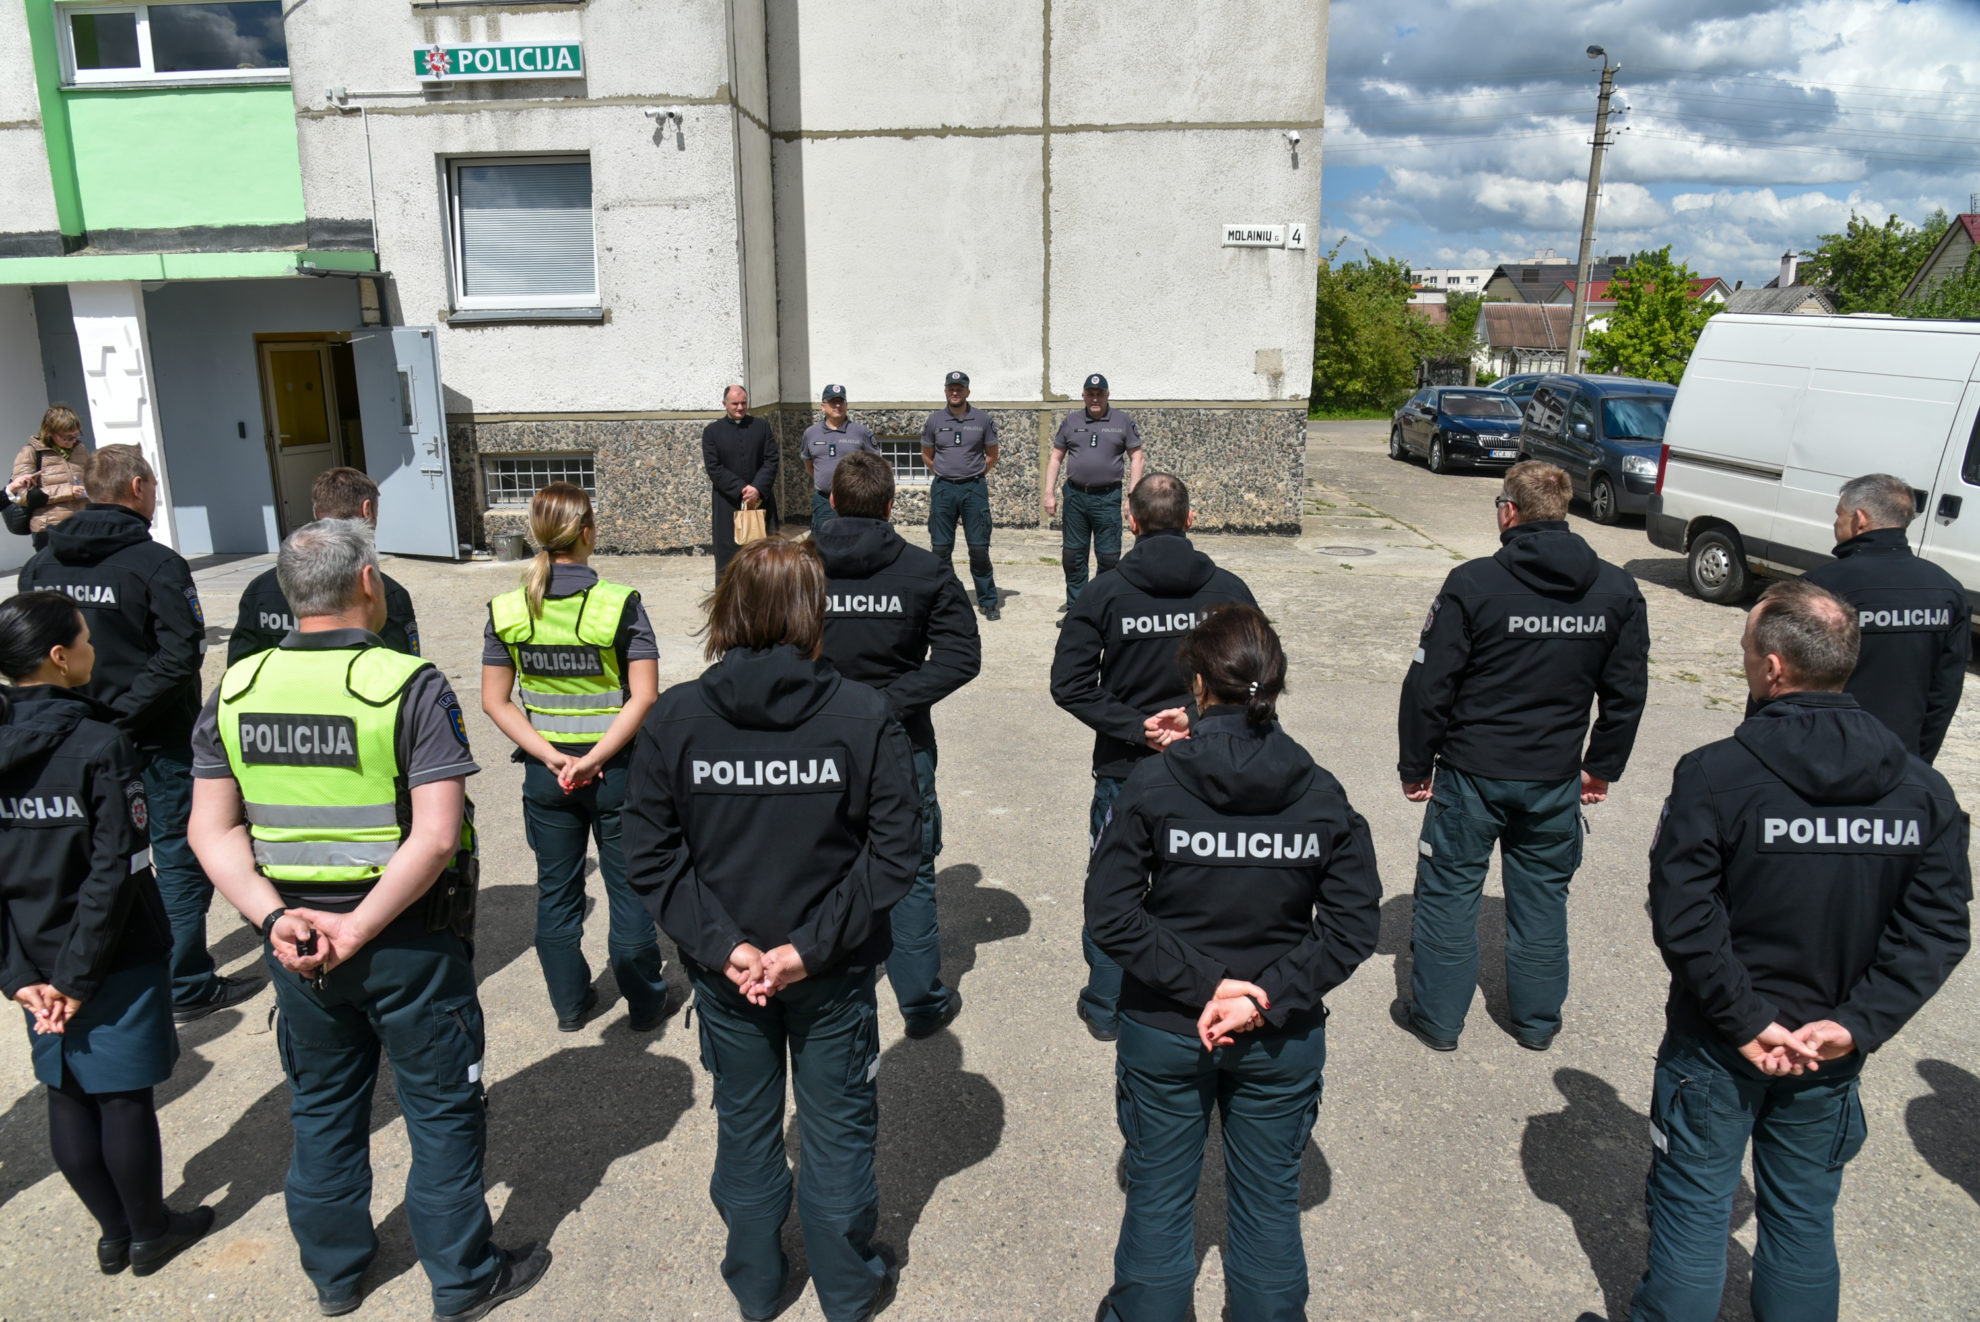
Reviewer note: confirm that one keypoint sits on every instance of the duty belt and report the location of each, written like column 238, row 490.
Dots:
column 959, row 481
column 1115, row 485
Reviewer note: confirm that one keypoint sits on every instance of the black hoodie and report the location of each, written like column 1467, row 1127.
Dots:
column 773, row 801
column 1232, row 855
column 1116, row 661
column 75, row 853
column 896, row 619
column 265, row 619
column 144, row 620
column 1513, row 650
column 1916, row 635
column 1808, row 868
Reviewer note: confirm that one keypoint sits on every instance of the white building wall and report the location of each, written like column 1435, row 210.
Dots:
column 30, row 197
column 664, row 200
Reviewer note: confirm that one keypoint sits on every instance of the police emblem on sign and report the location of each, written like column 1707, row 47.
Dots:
column 134, row 797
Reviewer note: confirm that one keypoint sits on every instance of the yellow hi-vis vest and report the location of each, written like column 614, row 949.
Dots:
column 311, row 738
column 568, row 673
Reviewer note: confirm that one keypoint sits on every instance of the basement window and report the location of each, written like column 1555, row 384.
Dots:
column 220, row 41
column 513, row 480
column 904, row 453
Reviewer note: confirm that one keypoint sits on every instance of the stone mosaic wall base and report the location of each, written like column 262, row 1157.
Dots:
column 1245, row 467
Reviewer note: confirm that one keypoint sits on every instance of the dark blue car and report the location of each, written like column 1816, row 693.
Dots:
column 1457, row 426
column 1606, row 431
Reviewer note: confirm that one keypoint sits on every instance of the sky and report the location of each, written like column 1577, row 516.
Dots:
column 1458, row 130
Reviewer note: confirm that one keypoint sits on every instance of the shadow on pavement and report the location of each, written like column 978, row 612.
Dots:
column 25, row 1160
column 972, row 915
column 1943, row 1124
column 1398, row 912
column 1589, row 1159
column 554, row 1130
column 936, row 1120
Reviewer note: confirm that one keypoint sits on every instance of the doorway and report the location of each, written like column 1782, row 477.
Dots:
column 310, row 409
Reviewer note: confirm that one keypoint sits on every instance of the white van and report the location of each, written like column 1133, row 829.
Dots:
column 1776, row 413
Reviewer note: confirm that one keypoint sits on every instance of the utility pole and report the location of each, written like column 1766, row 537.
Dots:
column 1588, row 208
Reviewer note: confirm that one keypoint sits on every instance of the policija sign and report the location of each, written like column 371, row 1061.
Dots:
column 486, row 61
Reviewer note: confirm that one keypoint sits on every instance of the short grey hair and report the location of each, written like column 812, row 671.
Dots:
column 320, row 564
column 1886, row 499
column 1813, row 631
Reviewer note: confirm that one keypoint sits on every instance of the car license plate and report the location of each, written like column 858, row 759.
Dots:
column 1505, row 454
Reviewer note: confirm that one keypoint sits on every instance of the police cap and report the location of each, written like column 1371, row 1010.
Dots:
column 957, row 379
column 1096, row 382
column 834, row 392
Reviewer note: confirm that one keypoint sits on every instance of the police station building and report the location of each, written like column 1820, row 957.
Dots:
column 477, row 248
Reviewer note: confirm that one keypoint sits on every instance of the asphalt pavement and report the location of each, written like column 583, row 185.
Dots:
column 1489, row 1183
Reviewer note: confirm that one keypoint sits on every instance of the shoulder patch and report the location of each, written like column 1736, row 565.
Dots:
column 1436, row 604
column 192, row 600
column 134, row 799
column 451, row 705
column 412, row 636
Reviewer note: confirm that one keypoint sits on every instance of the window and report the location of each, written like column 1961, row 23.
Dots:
column 904, row 453
column 1635, row 419
column 1479, row 405
column 522, row 233
column 225, row 41
column 513, row 481
column 1581, row 415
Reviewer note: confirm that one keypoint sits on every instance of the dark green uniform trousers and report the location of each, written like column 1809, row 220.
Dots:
column 1537, row 826
column 1265, row 1088
column 826, row 1031
column 412, row 992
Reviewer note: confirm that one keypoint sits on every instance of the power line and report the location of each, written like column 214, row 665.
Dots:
column 1757, row 144
column 1689, row 75
column 1904, row 111
column 1853, row 133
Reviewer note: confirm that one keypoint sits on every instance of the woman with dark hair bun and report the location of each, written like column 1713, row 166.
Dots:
column 85, row 943
column 1237, row 887
column 772, row 821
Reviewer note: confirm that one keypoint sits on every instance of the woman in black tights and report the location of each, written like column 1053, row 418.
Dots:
column 83, row 937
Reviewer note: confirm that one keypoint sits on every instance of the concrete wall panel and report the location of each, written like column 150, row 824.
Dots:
column 891, row 64
column 30, row 200
column 899, row 259
column 1191, row 61
column 1149, row 296
column 23, row 396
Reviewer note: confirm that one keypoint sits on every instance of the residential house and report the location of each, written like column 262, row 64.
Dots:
column 1785, row 295
column 1534, row 281
column 1948, row 256
column 1602, row 297
column 1523, row 337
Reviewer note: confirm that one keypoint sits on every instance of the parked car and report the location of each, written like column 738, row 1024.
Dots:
column 1456, row 425
column 1521, row 385
column 1776, row 413
column 1606, row 432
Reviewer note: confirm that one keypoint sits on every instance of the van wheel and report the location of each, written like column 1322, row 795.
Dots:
column 1718, row 568
column 1438, row 464
column 1396, row 450
column 1602, row 500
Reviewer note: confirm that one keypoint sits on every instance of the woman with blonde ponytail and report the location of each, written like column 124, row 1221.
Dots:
column 569, row 667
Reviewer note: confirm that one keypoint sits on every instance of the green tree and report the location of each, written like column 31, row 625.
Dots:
column 1655, row 323
column 1869, row 265
column 1459, row 337
column 1365, row 342
column 1958, row 295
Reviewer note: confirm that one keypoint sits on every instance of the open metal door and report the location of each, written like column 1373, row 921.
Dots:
column 405, row 440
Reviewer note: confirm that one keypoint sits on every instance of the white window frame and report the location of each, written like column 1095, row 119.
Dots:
column 144, row 73
column 465, row 302
column 571, row 458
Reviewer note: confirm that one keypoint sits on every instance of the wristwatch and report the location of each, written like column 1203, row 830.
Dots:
column 268, row 923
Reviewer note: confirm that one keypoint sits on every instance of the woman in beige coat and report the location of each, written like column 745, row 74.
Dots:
column 48, row 474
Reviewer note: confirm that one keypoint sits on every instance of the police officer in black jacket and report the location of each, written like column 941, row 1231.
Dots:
column 771, row 822
column 1496, row 704
column 896, row 619
column 150, row 636
column 1237, row 887
column 1115, row 669
column 265, row 618
column 83, row 936
column 1917, row 627
column 1809, row 888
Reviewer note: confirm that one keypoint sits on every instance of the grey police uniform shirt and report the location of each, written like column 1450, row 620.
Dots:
column 432, row 736
column 1095, row 446
column 824, row 445
column 565, row 581
column 959, row 443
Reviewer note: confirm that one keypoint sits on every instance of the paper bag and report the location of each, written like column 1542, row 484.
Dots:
column 750, row 526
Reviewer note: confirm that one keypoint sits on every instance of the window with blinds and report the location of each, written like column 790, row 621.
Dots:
column 522, row 233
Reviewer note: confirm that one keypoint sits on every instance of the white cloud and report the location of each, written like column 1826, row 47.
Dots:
column 1752, row 125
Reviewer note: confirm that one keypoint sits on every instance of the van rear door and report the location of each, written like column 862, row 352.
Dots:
column 1951, row 526
column 1882, row 398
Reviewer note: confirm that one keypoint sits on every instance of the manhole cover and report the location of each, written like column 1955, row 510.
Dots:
column 1348, row 552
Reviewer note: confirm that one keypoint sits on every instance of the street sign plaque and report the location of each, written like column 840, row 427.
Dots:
column 486, row 61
